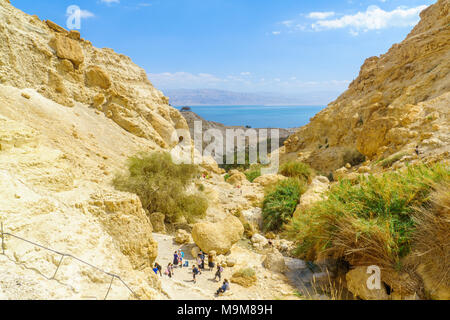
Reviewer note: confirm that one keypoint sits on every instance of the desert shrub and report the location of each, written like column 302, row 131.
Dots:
column 386, row 163
column 368, row 223
column 253, row 173
column 161, row 184
column 296, row 169
column 244, row 277
column 354, row 157
column 226, row 177
column 280, row 202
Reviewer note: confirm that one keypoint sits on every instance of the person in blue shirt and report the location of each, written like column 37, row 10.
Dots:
column 224, row 288
column 181, row 257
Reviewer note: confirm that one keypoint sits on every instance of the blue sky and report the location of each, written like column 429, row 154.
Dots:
column 284, row 46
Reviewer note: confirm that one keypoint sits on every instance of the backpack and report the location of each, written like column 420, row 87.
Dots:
column 221, row 269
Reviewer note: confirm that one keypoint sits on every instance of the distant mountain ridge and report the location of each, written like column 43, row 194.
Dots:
column 199, row 97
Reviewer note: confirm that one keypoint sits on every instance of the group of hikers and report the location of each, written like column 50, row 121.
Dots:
column 179, row 262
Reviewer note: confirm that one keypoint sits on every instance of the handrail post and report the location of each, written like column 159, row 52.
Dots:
column 3, row 244
column 59, row 265
column 110, row 284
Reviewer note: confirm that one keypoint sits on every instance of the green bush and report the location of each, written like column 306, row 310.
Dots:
column 247, row 272
column 161, row 184
column 280, row 202
column 368, row 223
column 253, row 173
column 296, row 169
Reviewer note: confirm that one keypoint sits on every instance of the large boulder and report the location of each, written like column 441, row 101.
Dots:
column 357, row 284
column 182, row 237
column 219, row 236
column 274, row 261
column 259, row 240
column 236, row 178
column 157, row 220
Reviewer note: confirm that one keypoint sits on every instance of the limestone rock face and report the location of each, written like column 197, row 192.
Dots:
column 219, row 236
column 399, row 100
column 125, row 220
column 68, row 70
column 357, row 284
column 57, row 163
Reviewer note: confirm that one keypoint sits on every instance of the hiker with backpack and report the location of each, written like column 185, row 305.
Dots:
column 195, row 272
column 218, row 273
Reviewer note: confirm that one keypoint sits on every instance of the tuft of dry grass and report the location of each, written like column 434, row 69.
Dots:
column 431, row 246
column 296, row 169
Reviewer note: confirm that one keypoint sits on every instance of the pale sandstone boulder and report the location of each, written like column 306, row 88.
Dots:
column 157, row 219
column 230, row 262
column 182, row 237
column 236, row 178
column 269, row 179
column 67, row 48
column 357, row 284
column 274, row 261
column 259, row 239
column 219, row 236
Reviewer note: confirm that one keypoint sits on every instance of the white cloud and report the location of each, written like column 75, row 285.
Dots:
column 84, row 14
column 320, row 15
column 373, row 18
column 276, row 33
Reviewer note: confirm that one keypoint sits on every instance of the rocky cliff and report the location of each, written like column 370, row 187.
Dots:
column 399, row 100
column 70, row 115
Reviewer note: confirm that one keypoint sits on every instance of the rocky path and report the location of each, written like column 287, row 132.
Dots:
column 270, row 285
